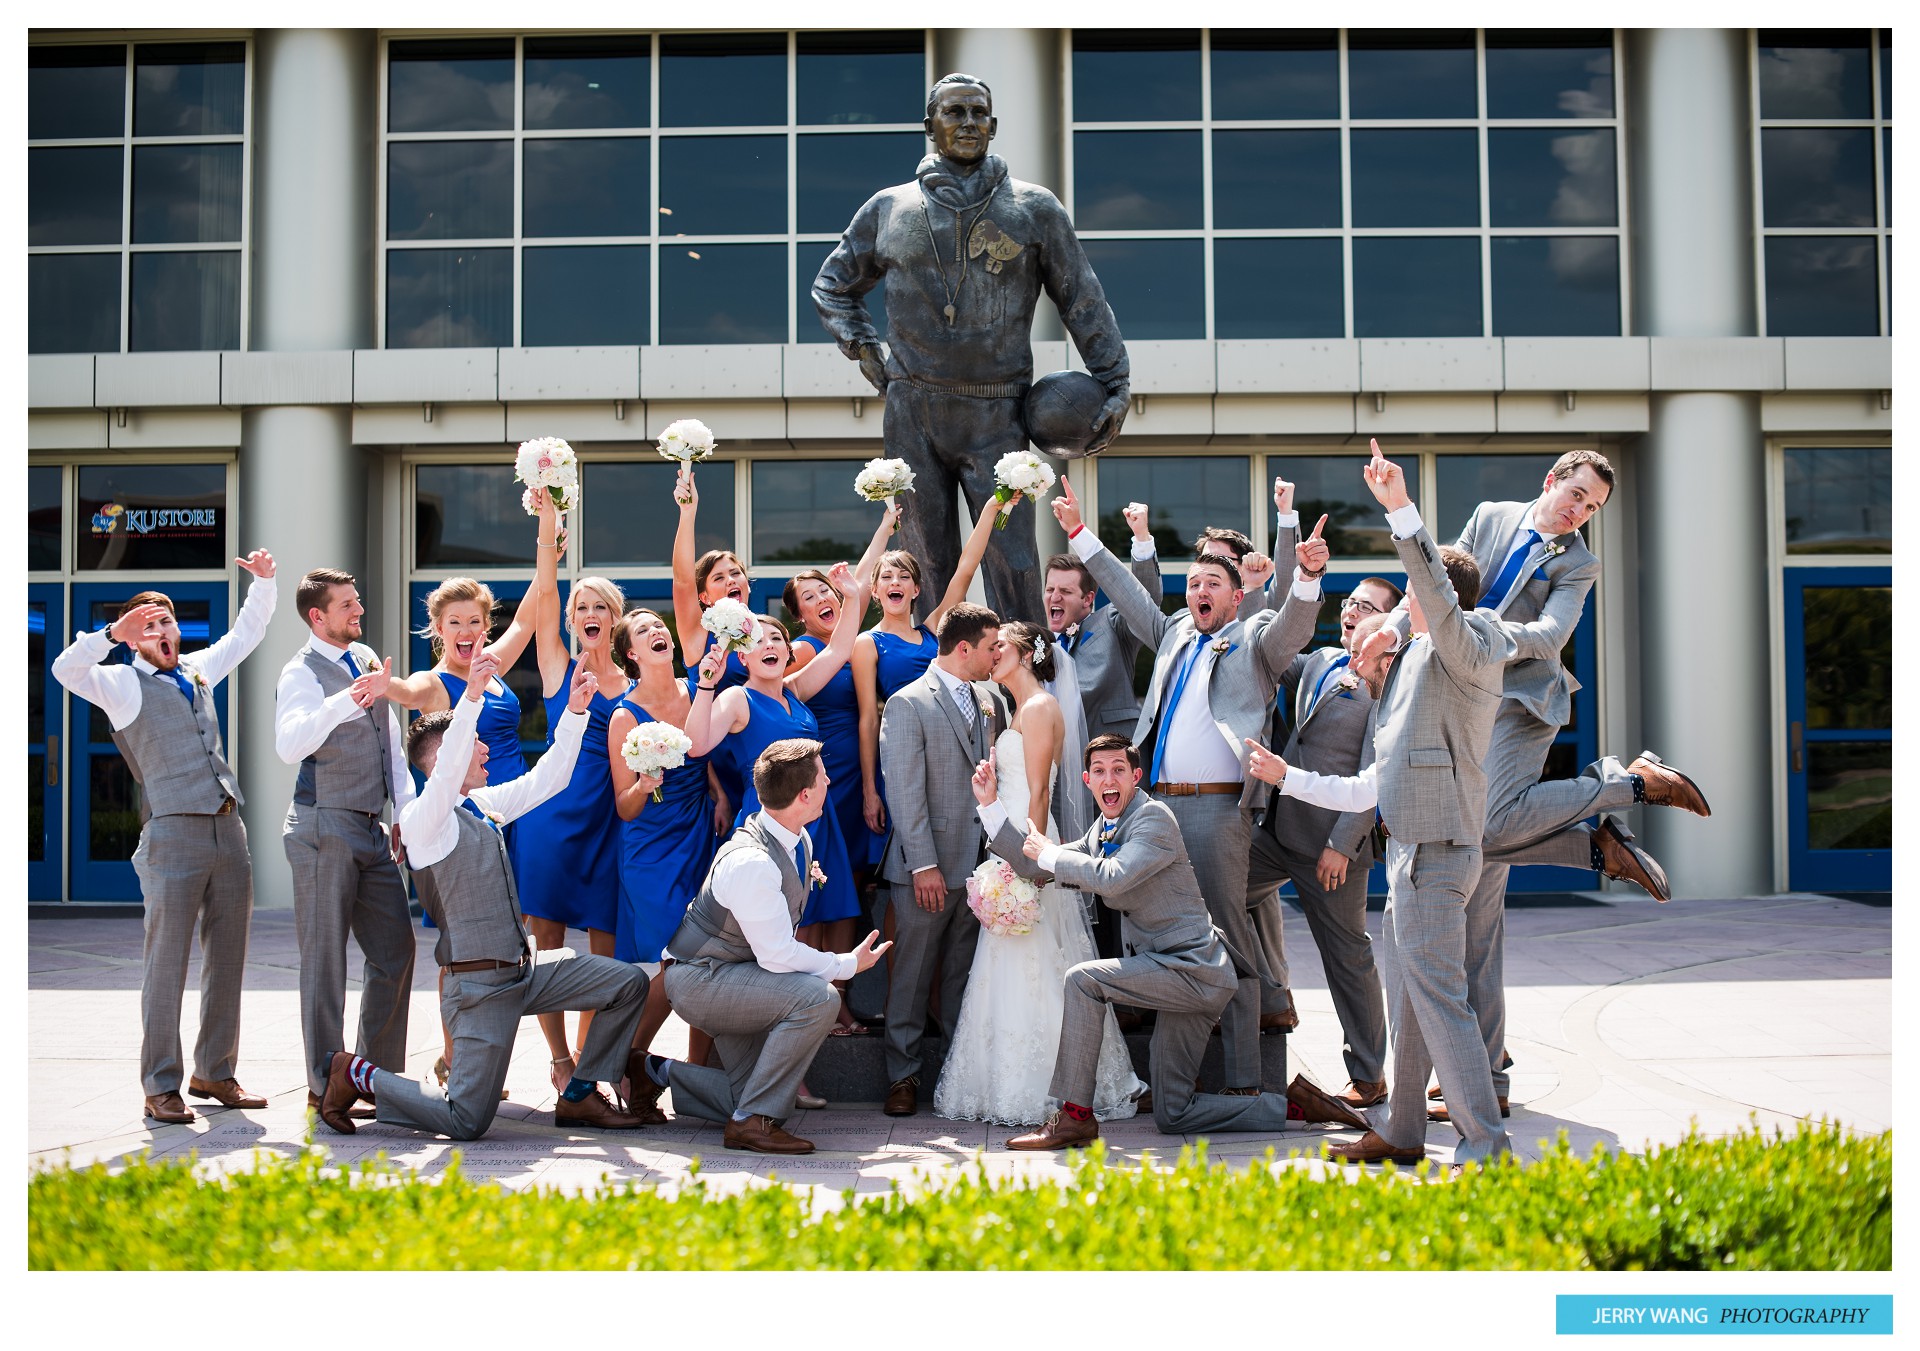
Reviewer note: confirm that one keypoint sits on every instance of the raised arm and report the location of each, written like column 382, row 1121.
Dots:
column 249, row 626
column 970, row 556
column 686, row 597
column 810, row 679
column 541, row 602
column 517, row 797
column 1137, row 612
column 1146, row 850
column 866, row 690
column 713, row 716
column 1292, row 629
column 882, row 535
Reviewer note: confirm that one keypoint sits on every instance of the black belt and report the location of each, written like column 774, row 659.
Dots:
column 1004, row 389
column 484, row 964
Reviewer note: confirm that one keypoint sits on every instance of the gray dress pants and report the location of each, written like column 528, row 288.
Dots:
column 767, row 1027
column 192, row 870
column 925, row 946
column 1219, row 834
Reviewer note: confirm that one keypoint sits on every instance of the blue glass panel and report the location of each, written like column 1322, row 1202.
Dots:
column 1137, row 180
column 73, row 302
column 1468, row 480
column 1816, row 176
column 1839, row 500
column 857, row 79
column 449, row 189
column 1278, row 288
column 73, row 195
column 631, row 514
column 1184, row 494
column 1814, row 73
column 186, row 194
column 808, row 327
column 1416, row 288
column 576, row 83
column 469, row 514
column 450, row 85
column 1275, row 73
column 1157, row 287
column 76, row 91
column 43, row 520
column 723, row 80
column 189, row 89
column 1549, row 73
column 1135, row 75
column 805, row 511
column 590, row 296
column 838, row 173
column 1411, row 73
column 1551, row 176
column 1821, row 287
column 449, row 297
column 1561, row 285
column 1331, row 486
column 1283, row 180
column 1416, row 178
column 723, row 293
column 586, row 186
column 724, row 185
column 184, row 302
column 1886, row 73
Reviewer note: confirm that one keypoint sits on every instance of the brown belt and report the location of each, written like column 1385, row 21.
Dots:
column 1191, row 789
column 226, row 808
column 484, row 964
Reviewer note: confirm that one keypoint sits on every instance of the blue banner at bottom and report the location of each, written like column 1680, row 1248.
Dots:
column 1666, row 1315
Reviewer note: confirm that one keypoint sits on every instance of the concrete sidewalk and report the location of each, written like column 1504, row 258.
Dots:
column 1626, row 1021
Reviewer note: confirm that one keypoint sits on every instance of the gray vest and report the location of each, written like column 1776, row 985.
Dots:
column 173, row 750
column 471, row 896
column 351, row 769
column 709, row 930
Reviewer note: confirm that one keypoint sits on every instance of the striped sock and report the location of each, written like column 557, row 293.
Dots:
column 361, row 1072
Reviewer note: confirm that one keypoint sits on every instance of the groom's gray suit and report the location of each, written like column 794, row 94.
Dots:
column 928, row 754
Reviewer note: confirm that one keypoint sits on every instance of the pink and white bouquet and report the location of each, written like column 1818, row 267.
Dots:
column 883, row 480
column 547, row 462
column 689, row 441
column 732, row 623
column 653, row 748
column 1019, row 471
column 1004, row 902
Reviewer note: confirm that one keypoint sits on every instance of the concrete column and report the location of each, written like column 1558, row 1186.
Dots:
column 303, row 485
column 1705, row 661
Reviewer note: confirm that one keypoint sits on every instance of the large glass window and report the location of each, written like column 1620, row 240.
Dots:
column 469, row 515
column 1823, row 153
column 631, row 514
column 1324, row 176
column 806, row 512
column 1331, row 486
column 149, row 517
column 43, row 518
column 1839, row 500
column 136, row 149
column 1465, row 481
column 1184, row 494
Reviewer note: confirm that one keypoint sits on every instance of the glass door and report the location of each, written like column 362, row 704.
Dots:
column 46, row 635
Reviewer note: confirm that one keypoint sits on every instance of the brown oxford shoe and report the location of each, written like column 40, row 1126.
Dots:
column 340, row 1094
column 1316, row 1104
column 1058, row 1131
column 1371, row 1148
column 596, row 1112
column 1440, row 1113
column 1622, row 858
column 1282, row 1023
column 168, row 1109
column 763, row 1135
column 1364, row 1093
column 903, row 1098
column 642, row 1094
column 1661, row 785
column 357, row 1113
column 226, row 1092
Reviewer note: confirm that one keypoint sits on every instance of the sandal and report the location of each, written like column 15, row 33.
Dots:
column 556, row 1077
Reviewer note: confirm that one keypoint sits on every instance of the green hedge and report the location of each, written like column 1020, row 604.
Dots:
column 1820, row 1199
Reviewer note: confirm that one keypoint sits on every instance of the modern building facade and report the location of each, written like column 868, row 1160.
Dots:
column 306, row 289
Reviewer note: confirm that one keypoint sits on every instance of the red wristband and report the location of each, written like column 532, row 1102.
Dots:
column 1076, row 530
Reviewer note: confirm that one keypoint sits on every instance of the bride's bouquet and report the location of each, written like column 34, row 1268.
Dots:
column 653, row 748
column 732, row 623
column 883, row 481
column 1019, row 471
column 547, row 462
column 688, row 441
column 1004, row 902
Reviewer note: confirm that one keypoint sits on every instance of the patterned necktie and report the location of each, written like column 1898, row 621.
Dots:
column 1108, row 843
column 1510, row 572
column 969, row 710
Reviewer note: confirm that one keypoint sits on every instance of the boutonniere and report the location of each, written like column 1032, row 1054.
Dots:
column 199, row 680
column 1554, row 550
column 1222, row 648
column 1347, row 683
column 814, row 873
column 986, row 704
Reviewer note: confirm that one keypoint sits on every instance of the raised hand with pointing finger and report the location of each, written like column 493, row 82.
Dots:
column 985, row 781
column 1312, row 553
column 1386, row 480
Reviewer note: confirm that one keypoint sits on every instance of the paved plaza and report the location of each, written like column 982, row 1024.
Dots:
column 1627, row 1020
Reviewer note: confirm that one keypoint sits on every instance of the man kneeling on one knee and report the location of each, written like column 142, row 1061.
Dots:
column 459, row 860
column 739, row 974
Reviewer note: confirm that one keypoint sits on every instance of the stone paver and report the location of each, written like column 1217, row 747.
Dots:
column 1626, row 1021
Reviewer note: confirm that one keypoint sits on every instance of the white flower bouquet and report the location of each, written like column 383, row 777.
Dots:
column 653, row 748
column 1004, row 902
column 883, row 481
column 733, row 624
column 1019, row 471
column 689, row 441
column 547, row 462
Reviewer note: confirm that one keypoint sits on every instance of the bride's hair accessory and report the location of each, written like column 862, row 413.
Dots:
column 1033, row 643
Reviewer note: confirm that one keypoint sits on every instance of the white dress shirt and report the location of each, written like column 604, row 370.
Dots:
column 116, row 691
column 304, row 715
column 747, row 882
column 427, row 823
column 1343, row 793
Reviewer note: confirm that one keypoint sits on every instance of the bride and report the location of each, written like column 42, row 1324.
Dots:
column 1000, row 1061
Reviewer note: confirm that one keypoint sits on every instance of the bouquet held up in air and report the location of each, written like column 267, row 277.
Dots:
column 884, row 481
column 1019, row 471
column 688, row 441
column 653, row 748
column 733, row 624
column 547, row 462
column 1004, row 902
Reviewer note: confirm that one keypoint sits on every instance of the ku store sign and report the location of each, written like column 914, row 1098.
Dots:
column 157, row 522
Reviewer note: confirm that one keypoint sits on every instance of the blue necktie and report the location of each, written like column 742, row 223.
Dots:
column 469, row 805
column 186, row 686
column 353, row 667
column 800, row 859
column 1314, row 701
column 1510, row 572
column 1173, row 702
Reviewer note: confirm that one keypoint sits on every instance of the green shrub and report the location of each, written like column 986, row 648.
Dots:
column 1820, row 1199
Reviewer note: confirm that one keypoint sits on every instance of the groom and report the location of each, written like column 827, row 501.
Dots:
column 932, row 733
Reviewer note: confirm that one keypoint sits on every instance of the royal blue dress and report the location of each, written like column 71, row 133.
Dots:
column 664, row 856
column 734, row 673
column 897, row 664
column 836, row 707
column 569, row 869
column 767, row 723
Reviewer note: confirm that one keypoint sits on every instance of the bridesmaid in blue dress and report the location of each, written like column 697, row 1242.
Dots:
column 666, row 846
column 717, row 574
column 570, row 856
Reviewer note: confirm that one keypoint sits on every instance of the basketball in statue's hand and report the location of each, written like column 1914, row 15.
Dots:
column 1060, row 411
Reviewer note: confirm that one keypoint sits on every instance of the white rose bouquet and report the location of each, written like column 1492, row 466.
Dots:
column 884, row 481
column 653, row 748
column 1019, row 471
column 1004, row 902
column 547, row 462
column 689, row 441
column 732, row 623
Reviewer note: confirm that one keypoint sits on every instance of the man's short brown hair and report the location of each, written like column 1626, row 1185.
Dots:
column 1383, row 583
column 1068, row 563
column 1110, row 741
column 424, row 736
column 1464, row 573
column 965, row 622
column 1214, row 535
column 147, row 598
column 1225, row 565
column 785, row 770
column 1564, row 467
column 312, row 592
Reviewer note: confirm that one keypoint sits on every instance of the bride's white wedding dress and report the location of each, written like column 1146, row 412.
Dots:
column 1000, row 1061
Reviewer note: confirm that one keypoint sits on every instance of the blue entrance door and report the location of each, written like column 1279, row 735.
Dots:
column 101, row 792
column 1839, row 657
column 46, row 634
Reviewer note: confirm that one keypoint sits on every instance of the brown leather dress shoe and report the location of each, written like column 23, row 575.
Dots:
column 1440, row 1113
column 1318, row 1105
column 1661, row 785
column 340, row 1094
column 1622, row 858
column 763, row 1135
column 1282, row 1023
column 597, row 1112
column 1370, row 1148
column 226, row 1092
column 903, row 1098
column 357, row 1113
column 168, row 1109
column 642, row 1093
column 1364, row 1093
column 1058, row 1131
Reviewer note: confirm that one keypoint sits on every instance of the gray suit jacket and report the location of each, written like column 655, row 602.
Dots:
column 1436, row 712
column 928, row 759
column 1335, row 737
column 1240, row 681
column 1103, row 655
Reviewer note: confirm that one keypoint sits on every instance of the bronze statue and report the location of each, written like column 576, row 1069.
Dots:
column 965, row 250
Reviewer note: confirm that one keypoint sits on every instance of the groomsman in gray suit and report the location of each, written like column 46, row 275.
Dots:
column 1214, row 678
column 1176, row 962
column 933, row 731
column 331, row 721
column 459, row 860
column 192, row 860
column 738, row 972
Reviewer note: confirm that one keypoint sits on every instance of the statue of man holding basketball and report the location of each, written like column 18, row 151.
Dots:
column 965, row 250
